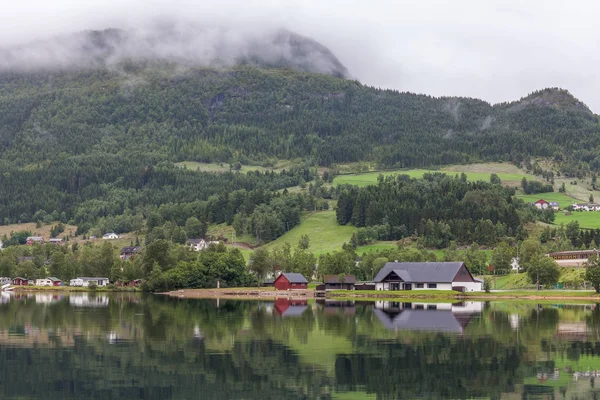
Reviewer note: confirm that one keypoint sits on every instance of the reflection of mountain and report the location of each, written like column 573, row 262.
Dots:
column 290, row 307
column 442, row 317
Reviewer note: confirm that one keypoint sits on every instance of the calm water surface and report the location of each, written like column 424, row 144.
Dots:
column 128, row 346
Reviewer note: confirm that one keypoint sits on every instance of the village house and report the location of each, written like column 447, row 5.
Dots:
column 200, row 244
column 49, row 281
column 573, row 258
column 31, row 240
column 543, row 204
column 586, row 207
column 18, row 281
column 110, row 236
column 427, row 276
column 337, row 282
column 132, row 283
column 86, row 281
column 290, row 281
column 128, row 252
column 56, row 241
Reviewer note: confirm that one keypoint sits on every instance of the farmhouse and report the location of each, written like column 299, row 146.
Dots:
column 31, row 240
column 200, row 244
column 128, row 252
column 57, row 241
column 290, row 281
column 586, row 207
column 426, row 276
column 575, row 258
column 336, row 282
column 110, row 236
column 543, row 204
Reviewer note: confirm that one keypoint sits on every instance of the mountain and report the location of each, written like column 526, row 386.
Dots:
column 95, row 133
column 184, row 44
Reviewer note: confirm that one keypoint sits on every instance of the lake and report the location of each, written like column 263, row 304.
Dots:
column 130, row 346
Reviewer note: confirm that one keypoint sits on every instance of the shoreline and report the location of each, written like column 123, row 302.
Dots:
column 249, row 293
column 21, row 289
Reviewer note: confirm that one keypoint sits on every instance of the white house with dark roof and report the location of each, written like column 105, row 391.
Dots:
column 427, row 276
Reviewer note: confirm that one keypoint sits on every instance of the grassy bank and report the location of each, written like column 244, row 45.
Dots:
column 73, row 289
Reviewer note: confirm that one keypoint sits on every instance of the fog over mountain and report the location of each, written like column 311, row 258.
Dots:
column 184, row 44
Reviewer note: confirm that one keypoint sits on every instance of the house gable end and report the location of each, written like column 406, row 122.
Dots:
column 463, row 275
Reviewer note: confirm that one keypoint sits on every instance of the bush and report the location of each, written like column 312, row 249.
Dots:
column 487, row 285
column 93, row 286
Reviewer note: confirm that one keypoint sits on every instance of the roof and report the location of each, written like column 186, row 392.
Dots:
column 87, row 278
column 420, row 320
column 35, row 238
column 541, row 201
column 331, row 279
column 421, row 271
column 195, row 241
column 294, row 277
column 53, row 278
column 553, row 203
column 130, row 249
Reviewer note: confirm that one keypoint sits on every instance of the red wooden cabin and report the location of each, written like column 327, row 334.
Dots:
column 290, row 281
column 20, row 281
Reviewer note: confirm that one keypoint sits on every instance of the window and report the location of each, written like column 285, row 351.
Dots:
column 420, row 285
column 432, row 286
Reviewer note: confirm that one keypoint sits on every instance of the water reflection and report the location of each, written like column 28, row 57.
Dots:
column 127, row 346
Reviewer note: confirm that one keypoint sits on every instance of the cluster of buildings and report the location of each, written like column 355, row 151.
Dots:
column 543, row 204
column 394, row 276
column 586, row 207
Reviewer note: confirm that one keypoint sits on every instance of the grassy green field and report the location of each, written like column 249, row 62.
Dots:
column 475, row 172
column 325, row 234
column 369, row 248
column 586, row 219
column 562, row 199
column 213, row 167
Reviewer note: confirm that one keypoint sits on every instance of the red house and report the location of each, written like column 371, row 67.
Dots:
column 290, row 281
column 20, row 281
column 55, row 281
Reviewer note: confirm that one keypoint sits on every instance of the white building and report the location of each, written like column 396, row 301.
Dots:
column 43, row 282
column 86, row 281
column 110, row 236
column 200, row 244
column 427, row 276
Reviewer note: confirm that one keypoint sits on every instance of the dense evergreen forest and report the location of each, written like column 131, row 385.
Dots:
column 440, row 208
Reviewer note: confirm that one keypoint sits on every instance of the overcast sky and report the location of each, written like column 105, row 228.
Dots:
column 493, row 50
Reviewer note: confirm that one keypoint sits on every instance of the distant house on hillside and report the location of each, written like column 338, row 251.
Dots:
column 128, row 252
column 110, row 236
column 31, row 240
column 543, row 204
column 200, row 244
column 586, row 207
column 57, row 241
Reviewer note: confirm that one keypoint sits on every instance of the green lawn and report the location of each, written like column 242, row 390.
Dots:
column 369, row 248
column 213, row 167
column 587, row 219
column 562, row 199
column 475, row 172
column 325, row 234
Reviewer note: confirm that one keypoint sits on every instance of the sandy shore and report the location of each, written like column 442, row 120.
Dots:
column 238, row 293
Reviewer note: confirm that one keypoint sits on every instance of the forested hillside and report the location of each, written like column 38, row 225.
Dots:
column 99, row 142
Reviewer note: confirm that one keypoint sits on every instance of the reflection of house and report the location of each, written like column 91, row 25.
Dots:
column 290, row 307
column 84, row 300
column 572, row 329
column 426, row 276
column 442, row 317
column 199, row 244
column 575, row 258
column 337, row 307
column 128, row 252
column 337, row 282
column 45, row 298
column 290, row 281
